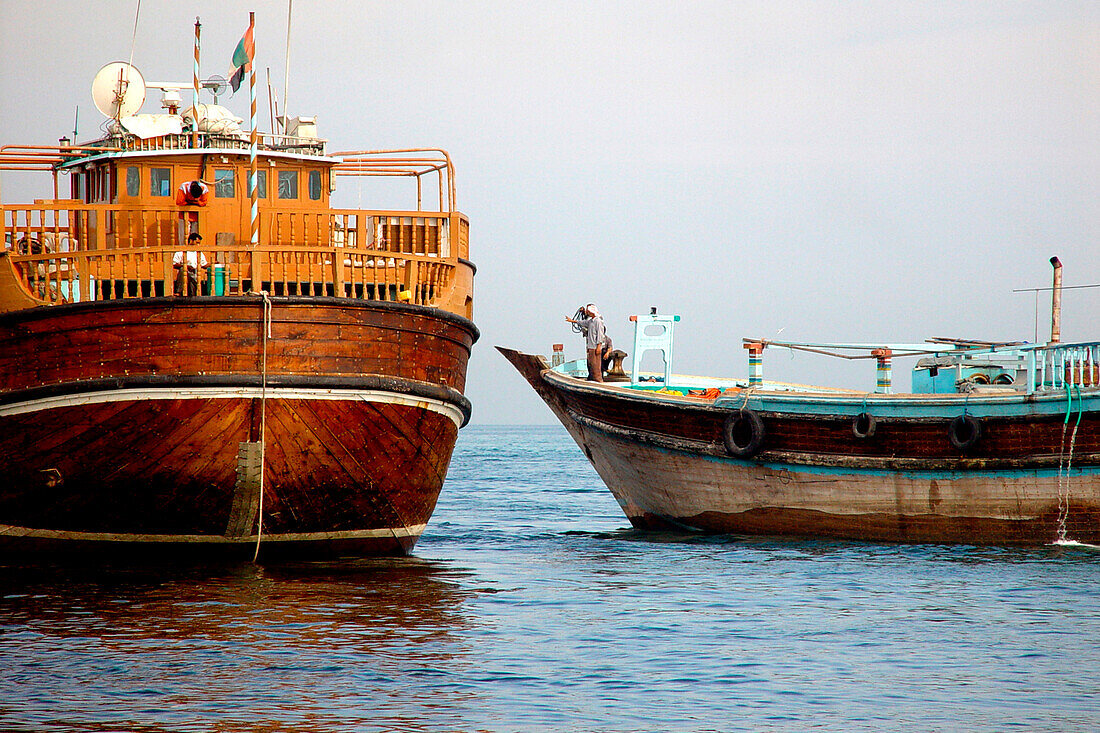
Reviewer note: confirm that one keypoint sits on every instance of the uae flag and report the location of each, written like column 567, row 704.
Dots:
column 242, row 57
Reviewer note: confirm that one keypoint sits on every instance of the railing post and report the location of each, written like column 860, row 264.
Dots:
column 1031, row 372
column 882, row 382
column 254, row 270
column 100, row 229
column 361, row 222
column 411, row 283
column 337, row 254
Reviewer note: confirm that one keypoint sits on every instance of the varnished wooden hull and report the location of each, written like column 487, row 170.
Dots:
column 127, row 426
column 665, row 462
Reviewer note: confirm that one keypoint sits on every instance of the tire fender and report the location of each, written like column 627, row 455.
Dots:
column 964, row 432
column 743, row 434
column 863, row 425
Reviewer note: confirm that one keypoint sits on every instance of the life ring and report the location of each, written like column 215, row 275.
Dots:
column 743, row 434
column 863, row 425
column 964, row 432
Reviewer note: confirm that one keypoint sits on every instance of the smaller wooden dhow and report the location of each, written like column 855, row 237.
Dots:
column 297, row 393
column 996, row 444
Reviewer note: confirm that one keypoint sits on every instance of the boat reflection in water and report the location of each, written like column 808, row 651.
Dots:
column 289, row 645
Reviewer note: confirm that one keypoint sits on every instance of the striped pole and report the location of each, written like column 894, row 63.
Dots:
column 756, row 363
column 195, row 103
column 252, row 190
column 882, row 383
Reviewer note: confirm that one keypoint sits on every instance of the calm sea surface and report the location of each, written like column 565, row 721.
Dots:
column 530, row 605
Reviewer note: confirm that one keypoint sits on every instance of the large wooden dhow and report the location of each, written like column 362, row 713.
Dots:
column 305, row 401
column 997, row 444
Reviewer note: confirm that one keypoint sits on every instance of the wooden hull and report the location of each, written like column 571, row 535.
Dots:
column 136, row 426
column 665, row 462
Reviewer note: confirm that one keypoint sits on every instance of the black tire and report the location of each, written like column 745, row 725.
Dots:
column 743, row 434
column 964, row 432
column 863, row 425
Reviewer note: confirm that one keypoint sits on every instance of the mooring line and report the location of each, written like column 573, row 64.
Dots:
column 265, row 335
column 1063, row 476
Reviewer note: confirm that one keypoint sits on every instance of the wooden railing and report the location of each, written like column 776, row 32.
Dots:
column 68, row 252
column 148, row 273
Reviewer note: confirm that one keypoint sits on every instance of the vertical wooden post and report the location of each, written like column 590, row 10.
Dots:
column 756, row 363
column 882, row 383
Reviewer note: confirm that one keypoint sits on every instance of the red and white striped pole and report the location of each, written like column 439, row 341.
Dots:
column 195, row 102
column 252, row 190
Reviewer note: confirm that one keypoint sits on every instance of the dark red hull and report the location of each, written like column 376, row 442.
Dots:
column 137, row 424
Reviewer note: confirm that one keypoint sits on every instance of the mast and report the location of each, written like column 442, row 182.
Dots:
column 252, row 192
column 195, row 96
column 286, row 68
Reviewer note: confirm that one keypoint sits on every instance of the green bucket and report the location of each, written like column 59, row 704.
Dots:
column 217, row 280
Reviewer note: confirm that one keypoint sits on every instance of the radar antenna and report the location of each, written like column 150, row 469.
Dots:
column 118, row 90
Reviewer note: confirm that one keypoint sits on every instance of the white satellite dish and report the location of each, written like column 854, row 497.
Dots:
column 118, row 90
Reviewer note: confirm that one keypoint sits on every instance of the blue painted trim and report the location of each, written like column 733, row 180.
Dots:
column 932, row 406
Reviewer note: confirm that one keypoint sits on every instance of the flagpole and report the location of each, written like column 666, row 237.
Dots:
column 286, row 68
column 195, row 102
column 252, row 190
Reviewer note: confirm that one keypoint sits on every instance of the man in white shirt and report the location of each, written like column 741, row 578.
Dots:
column 186, row 265
column 597, row 343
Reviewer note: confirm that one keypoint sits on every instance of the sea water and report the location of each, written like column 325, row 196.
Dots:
column 530, row 605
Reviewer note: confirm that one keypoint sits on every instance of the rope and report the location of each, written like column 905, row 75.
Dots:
column 133, row 42
column 823, row 352
column 1063, row 478
column 747, row 392
column 263, row 419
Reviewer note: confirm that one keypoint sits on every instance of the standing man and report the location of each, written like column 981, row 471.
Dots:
column 191, row 193
column 597, row 344
column 187, row 264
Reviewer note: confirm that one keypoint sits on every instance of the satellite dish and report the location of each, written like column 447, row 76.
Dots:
column 118, row 90
column 217, row 85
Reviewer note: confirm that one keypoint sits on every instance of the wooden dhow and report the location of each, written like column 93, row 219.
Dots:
column 997, row 444
column 304, row 402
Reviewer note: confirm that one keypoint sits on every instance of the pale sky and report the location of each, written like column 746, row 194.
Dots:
column 827, row 171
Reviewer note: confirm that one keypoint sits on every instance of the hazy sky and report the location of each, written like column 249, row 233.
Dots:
column 870, row 171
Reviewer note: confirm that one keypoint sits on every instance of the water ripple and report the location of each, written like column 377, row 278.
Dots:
column 532, row 605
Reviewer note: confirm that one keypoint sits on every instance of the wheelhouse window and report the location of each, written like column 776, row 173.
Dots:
column 160, row 181
column 225, row 184
column 133, row 181
column 315, row 185
column 261, row 184
column 78, row 186
column 288, row 184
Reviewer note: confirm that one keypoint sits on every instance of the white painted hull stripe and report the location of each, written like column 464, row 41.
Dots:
column 138, row 394
column 414, row 531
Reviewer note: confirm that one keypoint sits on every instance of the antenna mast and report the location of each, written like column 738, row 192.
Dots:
column 286, row 69
column 270, row 103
